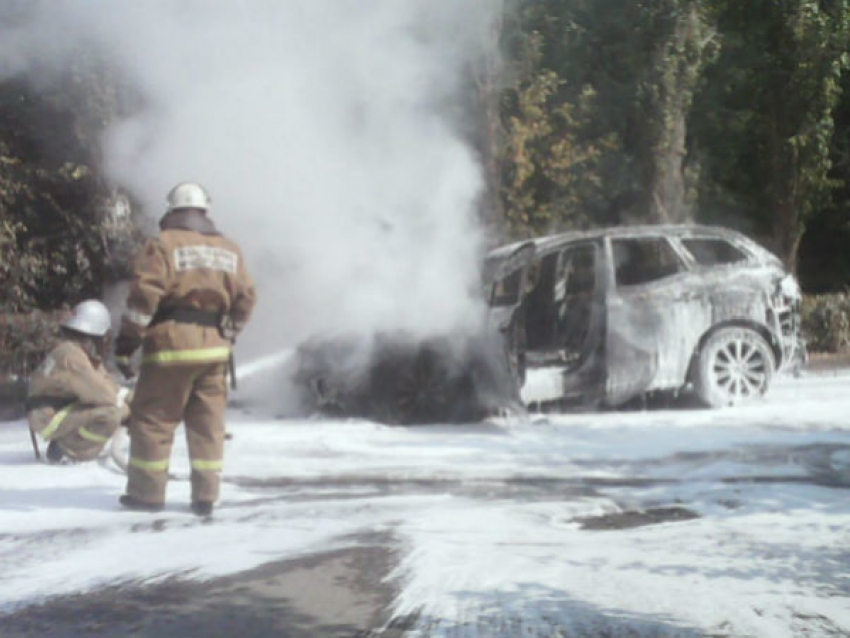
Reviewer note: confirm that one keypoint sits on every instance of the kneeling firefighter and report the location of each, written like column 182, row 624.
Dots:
column 72, row 402
column 191, row 295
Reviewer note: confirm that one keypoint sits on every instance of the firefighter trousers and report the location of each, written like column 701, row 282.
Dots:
column 166, row 395
column 86, row 431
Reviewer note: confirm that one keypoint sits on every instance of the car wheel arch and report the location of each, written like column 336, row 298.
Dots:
column 761, row 329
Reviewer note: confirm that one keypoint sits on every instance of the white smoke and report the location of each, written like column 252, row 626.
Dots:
column 323, row 129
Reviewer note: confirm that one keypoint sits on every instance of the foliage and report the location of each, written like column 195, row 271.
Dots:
column 826, row 322
column 683, row 43
column 24, row 341
column 600, row 112
column 544, row 164
column 765, row 118
column 673, row 110
column 824, row 261
column 546, row 170
column 596, row 123
column 56, row 235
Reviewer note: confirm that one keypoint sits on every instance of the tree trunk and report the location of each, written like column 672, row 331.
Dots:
column 487, row 77
column 787, row 233
column 675, row 69
column 667, row 202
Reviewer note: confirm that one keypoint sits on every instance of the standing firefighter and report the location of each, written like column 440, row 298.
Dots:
column 190, row 297
column 72, row 401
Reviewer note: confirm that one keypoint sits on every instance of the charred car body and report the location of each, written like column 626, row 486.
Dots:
column 591, row 319
column 601, row 317
column 400, row 378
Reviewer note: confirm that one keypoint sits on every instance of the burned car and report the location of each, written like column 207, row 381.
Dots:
column 598, row 318
column 397, row 377
column 588, row 319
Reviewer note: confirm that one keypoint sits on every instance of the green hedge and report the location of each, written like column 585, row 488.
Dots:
column 25, row 339
column 826, row 322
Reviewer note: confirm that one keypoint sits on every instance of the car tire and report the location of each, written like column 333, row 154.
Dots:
column 735, row 366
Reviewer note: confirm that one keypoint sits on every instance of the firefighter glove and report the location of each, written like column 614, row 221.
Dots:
column 125, row 366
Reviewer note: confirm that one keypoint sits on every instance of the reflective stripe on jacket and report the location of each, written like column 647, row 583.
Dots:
column 199, row 355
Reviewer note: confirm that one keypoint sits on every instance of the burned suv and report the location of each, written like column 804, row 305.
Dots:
column 602, row 317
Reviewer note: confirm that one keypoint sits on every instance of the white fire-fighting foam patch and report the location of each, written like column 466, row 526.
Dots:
column 193, row 257
column 138, row 318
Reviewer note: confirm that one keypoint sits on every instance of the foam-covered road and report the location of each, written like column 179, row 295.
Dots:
column 671, row 522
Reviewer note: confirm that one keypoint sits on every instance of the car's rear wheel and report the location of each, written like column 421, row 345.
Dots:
column 735, row 366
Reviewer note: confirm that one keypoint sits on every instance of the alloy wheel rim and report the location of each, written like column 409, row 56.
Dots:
column 740, row 370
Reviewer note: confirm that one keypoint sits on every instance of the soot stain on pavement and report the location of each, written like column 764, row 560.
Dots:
column 636, row 518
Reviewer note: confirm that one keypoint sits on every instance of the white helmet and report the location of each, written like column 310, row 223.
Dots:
column 188, row 195
column 89, row 317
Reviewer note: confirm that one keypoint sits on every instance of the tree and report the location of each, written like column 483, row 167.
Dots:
column 550, row 155
column 824, row 256
column 766, row 117
column 53, row 198
column 596, row 123
column 682, row 43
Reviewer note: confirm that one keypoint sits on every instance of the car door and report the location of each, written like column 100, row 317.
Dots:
column 654, row 308
column 564, row 319
column 580, row 293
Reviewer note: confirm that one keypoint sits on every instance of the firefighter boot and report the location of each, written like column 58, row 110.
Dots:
column 55, row 453
column 202, row 508
column 138, row 505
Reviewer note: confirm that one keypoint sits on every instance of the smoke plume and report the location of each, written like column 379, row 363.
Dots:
column 325, row 130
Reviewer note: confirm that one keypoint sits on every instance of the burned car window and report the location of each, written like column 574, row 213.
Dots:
column 506, row 291
column 713, row 252
column 640, row 260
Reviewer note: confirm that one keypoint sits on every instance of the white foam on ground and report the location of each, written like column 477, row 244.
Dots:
column 486, row 516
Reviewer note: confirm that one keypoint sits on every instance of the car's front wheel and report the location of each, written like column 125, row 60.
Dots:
column 735, row 366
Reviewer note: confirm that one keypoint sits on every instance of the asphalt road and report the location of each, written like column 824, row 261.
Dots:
column 585, row 486
column 339, row 594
